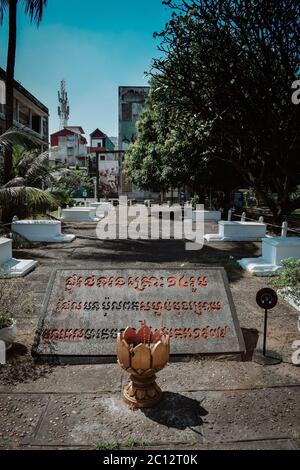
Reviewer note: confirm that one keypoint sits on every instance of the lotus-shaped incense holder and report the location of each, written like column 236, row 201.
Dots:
column 142, row 354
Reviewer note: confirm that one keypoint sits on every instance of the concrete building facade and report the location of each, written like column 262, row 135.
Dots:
column 72, row 147
column 29, row 112
column 132, row 102
column 105, row 164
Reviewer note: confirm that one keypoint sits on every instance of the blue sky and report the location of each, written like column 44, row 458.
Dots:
column 95, row 46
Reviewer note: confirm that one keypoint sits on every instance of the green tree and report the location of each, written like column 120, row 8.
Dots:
column 70, row 181
column 231, row 65
column 174, row 149
column 27, row 191
column 35, row 10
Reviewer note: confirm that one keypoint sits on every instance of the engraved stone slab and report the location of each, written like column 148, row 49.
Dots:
column 84, row 310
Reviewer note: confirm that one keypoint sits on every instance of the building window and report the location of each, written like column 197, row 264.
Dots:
column 24, row 115
column 36, row 123
column 102, row 158
column 127, row 112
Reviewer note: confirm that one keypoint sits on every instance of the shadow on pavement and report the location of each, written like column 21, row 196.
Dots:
column 178, row 411
column 251, row 337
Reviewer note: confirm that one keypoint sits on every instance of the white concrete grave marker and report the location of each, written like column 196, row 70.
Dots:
column 80, row 214
column 274, row 251
column 44, row 231
column 238, row 231
column 10, row 267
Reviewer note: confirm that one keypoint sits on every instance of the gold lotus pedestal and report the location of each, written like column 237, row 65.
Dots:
column 142, row 354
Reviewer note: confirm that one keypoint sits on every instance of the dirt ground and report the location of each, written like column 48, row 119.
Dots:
column 207, row 404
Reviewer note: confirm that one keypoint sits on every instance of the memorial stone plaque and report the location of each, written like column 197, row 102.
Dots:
column 84, row 310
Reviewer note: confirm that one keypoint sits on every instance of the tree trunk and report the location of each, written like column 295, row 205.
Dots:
column 10, row 74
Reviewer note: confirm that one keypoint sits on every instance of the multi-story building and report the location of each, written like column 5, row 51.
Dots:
column 29, row 112
column 105, row 164
column 100, row 140
column 72, row 147
column 132, row 102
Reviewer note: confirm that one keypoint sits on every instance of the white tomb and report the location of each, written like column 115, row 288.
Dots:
column 102, row 208
column 209, row 216
column 47, row 231
column 80, row 214
column 11, row 267
column 238, row 232
column 274, row 251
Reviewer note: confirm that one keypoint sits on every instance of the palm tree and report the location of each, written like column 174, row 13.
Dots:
column 35, row 9
column 26, row 192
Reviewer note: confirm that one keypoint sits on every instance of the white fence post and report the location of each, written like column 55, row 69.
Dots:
column 244, row 217
column 284, row 231
column 229, row 215
column 261, row 220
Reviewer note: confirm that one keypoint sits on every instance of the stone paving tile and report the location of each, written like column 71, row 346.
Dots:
column 81, row 420
column 275, row 444
column 214, row 375
column 75, row 379
column 182, row 376
column 264, row 419
column 192, row 376
column 20, row 417
column 251, row 415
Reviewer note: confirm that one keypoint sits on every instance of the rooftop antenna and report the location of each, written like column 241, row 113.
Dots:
column 63, row 108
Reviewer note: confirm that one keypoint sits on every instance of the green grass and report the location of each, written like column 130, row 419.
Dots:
column 108, row 446
column 54, row 214
column 297, row 212
column 129, row 444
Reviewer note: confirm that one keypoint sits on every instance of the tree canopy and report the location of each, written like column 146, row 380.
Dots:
column 222, row 98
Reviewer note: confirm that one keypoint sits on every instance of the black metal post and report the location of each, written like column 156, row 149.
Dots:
column 265, row 333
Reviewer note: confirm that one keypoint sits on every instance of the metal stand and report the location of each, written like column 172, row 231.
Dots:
column 262, row 357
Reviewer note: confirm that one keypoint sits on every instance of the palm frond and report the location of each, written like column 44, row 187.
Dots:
column 18, row 181
column 18, row 154
column 18, row 136
column 3, row 7
column 35, row 9
column 37, row 169
column 24, row 195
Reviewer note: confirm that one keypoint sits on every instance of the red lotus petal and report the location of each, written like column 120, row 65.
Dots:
column 130, row 336
column 144, row 334
column 157, row 336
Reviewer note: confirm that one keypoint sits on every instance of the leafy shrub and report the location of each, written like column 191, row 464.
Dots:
column 13, row 302
column 195, row 200
column 289, row 280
